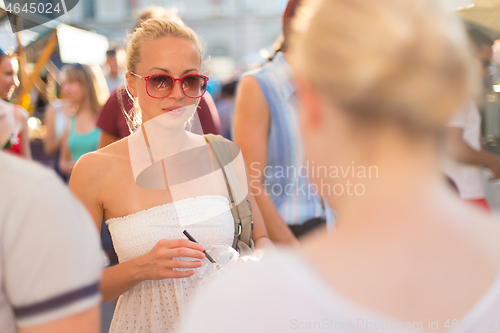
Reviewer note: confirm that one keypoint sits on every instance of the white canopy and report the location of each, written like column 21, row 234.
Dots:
column 485, row 13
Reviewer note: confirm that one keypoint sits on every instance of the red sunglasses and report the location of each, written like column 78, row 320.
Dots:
column 161, row 85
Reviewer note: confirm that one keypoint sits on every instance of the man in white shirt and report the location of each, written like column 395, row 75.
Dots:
column 463, row 134
column 50, row 262
column 463, row 139
column 113, row 74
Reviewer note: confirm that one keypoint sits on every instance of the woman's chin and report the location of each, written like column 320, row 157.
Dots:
column 169, row 121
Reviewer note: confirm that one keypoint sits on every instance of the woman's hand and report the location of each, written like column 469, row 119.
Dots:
column 159, row 263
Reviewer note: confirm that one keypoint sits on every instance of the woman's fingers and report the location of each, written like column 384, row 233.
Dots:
column 170, row 270
column 185, row 252
column 184, row 264
column 171, row 248
column 176, row 243
column 167, row 258
column 180, row 274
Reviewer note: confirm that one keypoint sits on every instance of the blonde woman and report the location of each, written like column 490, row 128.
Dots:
column 377, row 82
column 154, row 278
column 85, row 94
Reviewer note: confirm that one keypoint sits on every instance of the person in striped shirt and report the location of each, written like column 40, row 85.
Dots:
column 50, row 261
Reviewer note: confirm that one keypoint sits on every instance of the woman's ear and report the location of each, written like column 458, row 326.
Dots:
column 131, row 80
column 310, row 107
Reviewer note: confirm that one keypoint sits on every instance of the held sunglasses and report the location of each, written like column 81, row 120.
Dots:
column 161, row 85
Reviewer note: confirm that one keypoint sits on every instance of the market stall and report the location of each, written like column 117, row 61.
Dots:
column 42, row 50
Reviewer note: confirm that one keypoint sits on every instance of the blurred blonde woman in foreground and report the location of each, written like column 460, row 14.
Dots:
column 377, row 82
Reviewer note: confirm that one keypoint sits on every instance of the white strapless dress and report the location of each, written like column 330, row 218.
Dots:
column 157, row 305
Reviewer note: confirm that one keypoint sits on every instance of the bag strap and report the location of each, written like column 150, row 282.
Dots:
column 242, row 212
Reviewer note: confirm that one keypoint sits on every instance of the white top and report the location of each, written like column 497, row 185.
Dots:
column 468, row 178
column 156, row 305
column 283, row 293
column 50, row 257
column 11, row 117
column 60, row 120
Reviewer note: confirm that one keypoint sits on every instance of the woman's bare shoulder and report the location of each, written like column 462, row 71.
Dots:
column 116, row 150
column 233, row 148
column 100, row 163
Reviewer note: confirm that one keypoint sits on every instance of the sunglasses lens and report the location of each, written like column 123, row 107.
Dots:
column 194, row 85
column 160, row 85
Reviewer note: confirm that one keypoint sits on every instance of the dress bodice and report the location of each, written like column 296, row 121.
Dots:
column 156, row 305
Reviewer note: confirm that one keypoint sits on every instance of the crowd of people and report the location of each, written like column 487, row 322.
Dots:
column 389, row 86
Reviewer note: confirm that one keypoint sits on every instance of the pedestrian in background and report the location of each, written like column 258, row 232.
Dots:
column 466, row 158
column 86, row 94
column 50, row 261
column 266, row 128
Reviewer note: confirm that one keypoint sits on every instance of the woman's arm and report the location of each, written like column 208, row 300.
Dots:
column 87, row 321
column 84, row 184
column 260, row 237
column 88, row 176
column 23, row 115
column 25, row 141
column 259, row 234
column 66, row 163
column 51, row 144
column 251, row 129
column 462, row 152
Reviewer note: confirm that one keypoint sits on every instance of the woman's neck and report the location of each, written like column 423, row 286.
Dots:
column 396, row 204
column 165, row 141
column 403, row 186
column 83, row 108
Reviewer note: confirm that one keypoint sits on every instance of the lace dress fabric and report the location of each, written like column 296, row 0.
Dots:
column 157, row 305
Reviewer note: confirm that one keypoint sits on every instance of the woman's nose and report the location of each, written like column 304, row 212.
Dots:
column 177, row 90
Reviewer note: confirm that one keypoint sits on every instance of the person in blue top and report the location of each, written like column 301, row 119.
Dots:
column 86, row 95
column 266, row 128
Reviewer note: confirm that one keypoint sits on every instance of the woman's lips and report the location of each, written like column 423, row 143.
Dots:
column 174, row 110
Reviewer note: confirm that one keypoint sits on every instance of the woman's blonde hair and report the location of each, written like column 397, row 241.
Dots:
column 157, row 12
column 153, row 29
column 93, row 83
column 404, row 61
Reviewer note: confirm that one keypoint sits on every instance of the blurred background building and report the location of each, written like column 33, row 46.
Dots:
column 236, row 33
